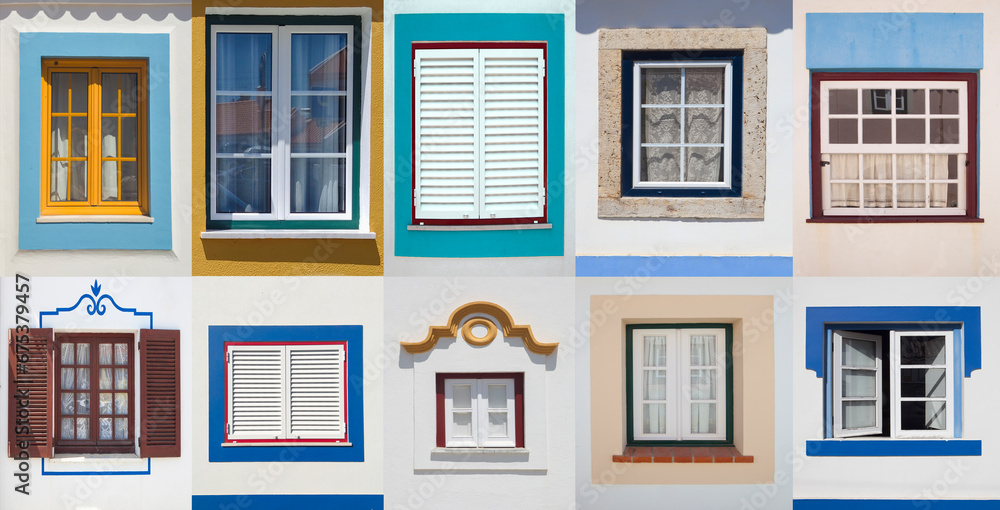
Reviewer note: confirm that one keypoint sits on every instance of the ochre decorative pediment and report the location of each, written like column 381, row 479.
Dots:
column 496, row 311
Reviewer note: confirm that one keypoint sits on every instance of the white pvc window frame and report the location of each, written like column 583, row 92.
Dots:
column 898, row 399
column 479, row 412
column 838, row 384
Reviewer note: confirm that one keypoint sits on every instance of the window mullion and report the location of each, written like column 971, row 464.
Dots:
column 93, row 138
column 281, row 69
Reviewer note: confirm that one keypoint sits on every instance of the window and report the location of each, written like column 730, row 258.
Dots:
column 679, row 383
column 901, row 388
column 284, row 124
column 480, row 410
column 286, row 392
column 94, row 137
column 479, row 133
column 894, row 145
column 108, row 394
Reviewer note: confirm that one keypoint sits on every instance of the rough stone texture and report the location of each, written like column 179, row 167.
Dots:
column 753, row 42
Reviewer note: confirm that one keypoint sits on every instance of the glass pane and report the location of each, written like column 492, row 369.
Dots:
column 130, row 137
column 923, row 382
column 67, row 379
column 66, row 353
column 319, row 124
column 878, row 195
column 83, row 428
column 660, row 164
column 876, row 101
column 121, row 379
column 243, row 62
column 876, row 131
column 845, row 195
column 109, row 137
column 63, row 86
column 910, row 101
column 704, row 164
column 319, row 185
column 78, row 181
column 67, row 430
column 104, row 354
column 911, row 195
column 952, row 166
column 654, row 418
column 243, row 125
column 858, row 415
column 877, row 166
column 319, row 62
column 703, row 125
column 660, row 85
column 910, row 131
column 922, row 350
column 858, row 353
column 704, row 85
column 858, row 383
column 703, row 350
column 843, row 131
column 105, row 428
column 60, row 92
column 121, row 354
column 121, row 403
column 83, row 354
column 461, row 425
column 654, row 386
column 498, row 424
column 944, row 195
column 104, row 404
column 944, row 101
column 661, row 125
column 703, row 418
column 944, row 130
column 844, row 101
column 79, row 134
column 910, row 166
column 461, row 396
column 703, row 384
column 243, row 185
column 497, row 398
column 68, row 403
column 83, row 378
column 115, row 86
column 104, row 378
column 121, row 428
column 654, row 353
column 83, row 403
column 130, row 181
column 109, row 180
column 842, row 166
column 60, row 137
column 923, row 416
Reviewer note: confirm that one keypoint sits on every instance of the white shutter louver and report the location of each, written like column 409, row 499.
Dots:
column 256, row 388
column 316, row 391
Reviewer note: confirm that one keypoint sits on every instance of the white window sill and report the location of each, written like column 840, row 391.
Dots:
column 95, row 218
column 286, row 234
column 299, row 444
column 489, row 451
column 515, row 226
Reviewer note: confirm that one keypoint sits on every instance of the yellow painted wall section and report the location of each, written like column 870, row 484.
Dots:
column 273, row 257
column 753, row 386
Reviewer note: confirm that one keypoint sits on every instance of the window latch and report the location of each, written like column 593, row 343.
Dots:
column 824, row 163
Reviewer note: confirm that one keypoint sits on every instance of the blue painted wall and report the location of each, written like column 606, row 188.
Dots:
column 697, row 266
column 288, row 502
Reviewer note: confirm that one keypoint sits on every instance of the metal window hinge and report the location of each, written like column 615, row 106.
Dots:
column 414, row 68
column 227, row 429
column 227, row 357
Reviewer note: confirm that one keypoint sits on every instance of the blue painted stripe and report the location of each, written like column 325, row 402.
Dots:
column 895, row 504
column 894, row 448
column 148, row 470
column 683, row 266
column 288, row 501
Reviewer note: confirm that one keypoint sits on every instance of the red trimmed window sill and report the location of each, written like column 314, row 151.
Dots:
column 670, row 454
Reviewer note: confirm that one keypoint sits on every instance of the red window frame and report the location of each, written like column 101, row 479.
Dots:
column 518, row 378
column 93, row 445
column 413, row 131
column 971, row 168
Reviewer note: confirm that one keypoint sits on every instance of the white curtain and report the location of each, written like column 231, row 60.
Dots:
column 654, row 384
column 844, row 166
column 109, row 169
column 59, row 179
column 878, row 167
column 703, row 350
column 702, row 418
column 939, row 170
column 315, row 187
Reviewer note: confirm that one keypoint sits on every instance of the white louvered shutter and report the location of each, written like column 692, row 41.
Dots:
column 316, row 392
column 513, row 133
column 446, row 134
column 256, row 389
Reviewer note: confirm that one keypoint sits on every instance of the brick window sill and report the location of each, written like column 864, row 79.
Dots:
column 682, row 454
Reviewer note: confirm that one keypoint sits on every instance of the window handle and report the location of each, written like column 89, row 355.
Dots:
column 824, row 163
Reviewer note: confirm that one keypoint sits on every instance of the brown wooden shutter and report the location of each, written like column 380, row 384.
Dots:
column 33, row 422
column 159, row 358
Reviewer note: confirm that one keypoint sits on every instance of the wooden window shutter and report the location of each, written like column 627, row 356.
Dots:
column 160, row 418
column 316, row 400
column 255, row 402
column 446, row 133
column 513, row 133
column 34, row 385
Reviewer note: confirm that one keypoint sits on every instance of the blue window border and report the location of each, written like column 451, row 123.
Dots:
column 219, row 335
column 965, row 321
column 155, row 48
column 275, row 501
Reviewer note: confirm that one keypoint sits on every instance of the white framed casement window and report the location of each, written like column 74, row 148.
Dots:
column 894, row 147
column 479, row 133
column 286, row 393
column 281, row 123
column 480, row 413
column 682, row 132
column 921, row 393
column 679, row 384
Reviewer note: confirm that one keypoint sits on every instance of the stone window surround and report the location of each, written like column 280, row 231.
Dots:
column 611, row 43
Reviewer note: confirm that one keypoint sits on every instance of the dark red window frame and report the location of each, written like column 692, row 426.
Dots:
column 343, row 386
column 971, row 167
column 518, row 378
column 94, row 445
column 413, row 131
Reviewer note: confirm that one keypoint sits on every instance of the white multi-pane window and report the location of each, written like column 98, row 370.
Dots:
column 681, row 136
column 678, row 384
column 894, row 147
column 479, row 413
column 920, row 394
column 286, row 392
column 281, row 122
column 479, row 135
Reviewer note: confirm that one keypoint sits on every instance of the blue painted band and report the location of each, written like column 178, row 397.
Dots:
column 288, row 501
column 155, row 48
column 895, row 504
column 682, row 266
column 894, row 448
column 894, row 41
column 148, row 470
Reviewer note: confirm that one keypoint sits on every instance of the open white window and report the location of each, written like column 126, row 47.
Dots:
column 479, row 413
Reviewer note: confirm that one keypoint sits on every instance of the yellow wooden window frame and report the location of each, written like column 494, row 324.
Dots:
column 94, row 205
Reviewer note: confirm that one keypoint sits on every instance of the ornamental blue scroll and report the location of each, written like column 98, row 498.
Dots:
column 95, row 306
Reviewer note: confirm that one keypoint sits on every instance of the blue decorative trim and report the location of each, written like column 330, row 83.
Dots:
column 289, row 501
column 94, row 306
column 894, row 41
column 896, row 504
column 683, row 266
column 219, row 335
column 894, row 448
column 148, row 470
